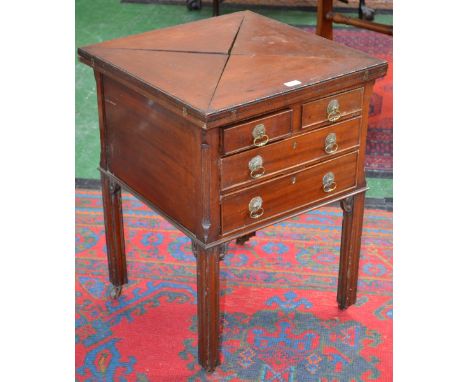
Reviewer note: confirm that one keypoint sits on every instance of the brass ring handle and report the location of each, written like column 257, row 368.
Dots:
column 334, row 116
column 329, row 187
column 330, row 149
column 255, row 207
column 261, row 141
column 333, row 111
column 256, row 167
column 256, row 214
column 328, row 182
column 260, row 136
column 330, row 144
column 257, row 173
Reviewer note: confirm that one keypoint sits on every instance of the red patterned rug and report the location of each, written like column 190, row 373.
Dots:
column 280, row 317
column 379, row 151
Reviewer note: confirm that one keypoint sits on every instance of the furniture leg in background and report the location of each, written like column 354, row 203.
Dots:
column 326, row 17
column 324, row 25
column 194, row 5
column 216, row 7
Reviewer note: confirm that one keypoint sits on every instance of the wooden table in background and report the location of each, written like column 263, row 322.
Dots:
column 225, row 126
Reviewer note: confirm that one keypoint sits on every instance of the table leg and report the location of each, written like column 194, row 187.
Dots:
column 353, row 213
column 324, row 25
column 208, row 304
column 115, row 240
column 216, row 7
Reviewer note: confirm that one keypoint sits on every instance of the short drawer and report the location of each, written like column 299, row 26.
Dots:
column 262, row 162
column 332, row 109
column 258, row 132
column 288, row 192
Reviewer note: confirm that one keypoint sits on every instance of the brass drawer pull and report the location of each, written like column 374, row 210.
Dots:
column 259, row 134
column 328, row 182
column 330, row 144
column 256, row 167
column 333, row 110
column 255, row 207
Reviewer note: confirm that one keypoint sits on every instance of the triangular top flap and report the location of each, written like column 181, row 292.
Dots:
column 194, row 85
column 213, row 35
column 261, row 35
column 274, row 75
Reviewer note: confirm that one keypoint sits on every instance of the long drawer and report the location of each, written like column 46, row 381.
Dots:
column 262, row 162
column 288, row 192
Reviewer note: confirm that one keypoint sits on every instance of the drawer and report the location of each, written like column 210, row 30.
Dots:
column 331, row 109
column 258, row 132
column 262, row 162
column 288, row 192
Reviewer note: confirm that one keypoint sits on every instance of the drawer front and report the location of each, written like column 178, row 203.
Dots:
column 332, row 109
column 262, row 162
column 288, row 192
column 258, row 132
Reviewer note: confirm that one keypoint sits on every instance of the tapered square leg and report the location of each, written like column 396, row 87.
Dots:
column 113, row 220
column 353, row 213
column 208, row 304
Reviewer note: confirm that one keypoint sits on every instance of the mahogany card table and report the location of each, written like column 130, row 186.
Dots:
column 225, row 126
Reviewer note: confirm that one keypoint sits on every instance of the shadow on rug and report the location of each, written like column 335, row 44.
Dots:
column 280, row 318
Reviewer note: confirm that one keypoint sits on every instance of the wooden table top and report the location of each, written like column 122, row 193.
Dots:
column 221, row 64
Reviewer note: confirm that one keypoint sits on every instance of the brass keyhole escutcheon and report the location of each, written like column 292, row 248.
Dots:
column 333, row 110
column 255, row 207
column 328, row 182
column 259, row 135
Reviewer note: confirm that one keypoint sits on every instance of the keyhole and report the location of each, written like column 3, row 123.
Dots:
column 294, row 145
column 293, row 180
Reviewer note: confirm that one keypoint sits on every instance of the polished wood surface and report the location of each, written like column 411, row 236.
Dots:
column 181, row 141
column 206, row 66
column 194, row 37
column 240, row 84
column 155, row 152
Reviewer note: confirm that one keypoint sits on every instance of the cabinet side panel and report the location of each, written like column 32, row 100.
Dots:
column 155, row 152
